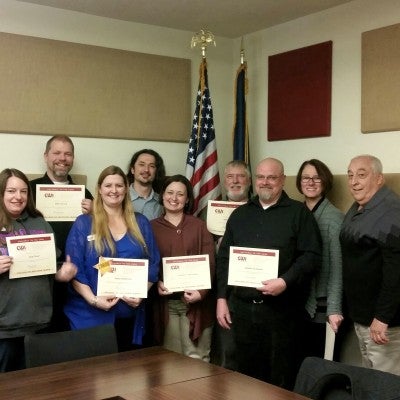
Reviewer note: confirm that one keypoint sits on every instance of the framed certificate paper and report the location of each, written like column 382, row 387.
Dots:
column 218, row 213
column 123, row 277
column 60, row 202
column 32, row 255
column 250, row 266
column 186, row 273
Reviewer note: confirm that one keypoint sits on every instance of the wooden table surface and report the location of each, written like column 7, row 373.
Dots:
column 151, row 373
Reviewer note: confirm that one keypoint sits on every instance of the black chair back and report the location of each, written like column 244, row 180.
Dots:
column 321, row 379
column 50, row 348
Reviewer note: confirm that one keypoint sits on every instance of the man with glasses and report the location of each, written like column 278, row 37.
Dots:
column 237, row 183
column 370, row 240
column 267, row 319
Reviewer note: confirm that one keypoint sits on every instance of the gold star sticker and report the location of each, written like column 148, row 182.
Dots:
column 103, row 266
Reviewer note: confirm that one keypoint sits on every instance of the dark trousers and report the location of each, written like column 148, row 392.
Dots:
column 12, row 354
column 59, row 321
column 223, row 348
column 314, row 339
column 266, row 344
column 123, row 331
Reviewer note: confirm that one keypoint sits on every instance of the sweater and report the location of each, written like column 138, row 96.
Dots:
column 287, row 226
column 370, row 240
column 25, row 303
column 328, row 282
column 190, row 237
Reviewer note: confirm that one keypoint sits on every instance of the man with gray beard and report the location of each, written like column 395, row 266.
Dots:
column 237, row 182
column 267, row 319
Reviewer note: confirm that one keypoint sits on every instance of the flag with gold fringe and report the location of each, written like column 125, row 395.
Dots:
column 240, row 133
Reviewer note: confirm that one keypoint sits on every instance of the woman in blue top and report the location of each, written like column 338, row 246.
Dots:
column 113, row 230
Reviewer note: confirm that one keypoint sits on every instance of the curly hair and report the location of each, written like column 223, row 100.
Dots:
column 160, row 168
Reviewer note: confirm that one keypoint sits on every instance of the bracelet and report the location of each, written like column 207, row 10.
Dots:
column 94, row 301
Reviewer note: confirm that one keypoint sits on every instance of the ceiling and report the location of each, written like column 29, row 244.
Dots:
column 226, row 18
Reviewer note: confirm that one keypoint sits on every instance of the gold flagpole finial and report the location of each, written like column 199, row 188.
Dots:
column 203, row 38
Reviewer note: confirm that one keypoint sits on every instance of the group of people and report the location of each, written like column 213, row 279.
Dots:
column 331, row 267
column 265, row 332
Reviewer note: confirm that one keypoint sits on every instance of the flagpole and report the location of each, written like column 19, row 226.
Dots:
column 241, row 52
column 202, row 159
column 203, row 38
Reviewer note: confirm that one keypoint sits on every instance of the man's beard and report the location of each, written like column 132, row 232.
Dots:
column 61, row 174
column 265, row 195
column 237, row 196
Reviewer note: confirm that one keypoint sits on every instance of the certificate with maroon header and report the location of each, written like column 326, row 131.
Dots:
column 186, row 273
column 60, row 202
column 250, row 266
column 123, row 277
column 32, row 255
column 218, row 213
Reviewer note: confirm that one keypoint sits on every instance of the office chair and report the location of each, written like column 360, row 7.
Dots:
column 321, row 379
column 50, row 348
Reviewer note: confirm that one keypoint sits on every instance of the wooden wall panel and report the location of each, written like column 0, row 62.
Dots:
column 55, row 87
column 380, row 89
column 299, row 93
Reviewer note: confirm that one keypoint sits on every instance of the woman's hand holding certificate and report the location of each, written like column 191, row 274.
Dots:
column 123, row 277
column 185, row 273
column 32, row 255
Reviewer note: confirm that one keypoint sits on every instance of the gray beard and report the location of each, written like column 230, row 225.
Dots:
column 241, row 196
column 265, row 195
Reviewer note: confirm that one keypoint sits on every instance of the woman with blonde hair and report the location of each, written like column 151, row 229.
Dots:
column 113, row 230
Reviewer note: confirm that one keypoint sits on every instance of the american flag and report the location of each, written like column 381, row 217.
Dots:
column 202, row 159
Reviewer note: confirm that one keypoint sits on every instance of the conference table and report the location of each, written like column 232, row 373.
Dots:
column 145, row 374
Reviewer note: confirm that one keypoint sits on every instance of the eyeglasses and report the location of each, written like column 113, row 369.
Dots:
column 269, row 178
column 315, row 179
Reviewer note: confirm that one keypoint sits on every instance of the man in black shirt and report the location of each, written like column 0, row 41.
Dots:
column 59, row 159
column 370, row 241
column 267, row 320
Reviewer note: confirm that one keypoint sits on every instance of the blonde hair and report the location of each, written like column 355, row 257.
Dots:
column 102, row 236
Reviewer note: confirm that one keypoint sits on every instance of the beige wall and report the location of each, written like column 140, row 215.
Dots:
column 92, row 155
column 343, row 25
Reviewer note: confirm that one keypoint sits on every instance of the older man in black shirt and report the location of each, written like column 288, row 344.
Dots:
column 370, row 240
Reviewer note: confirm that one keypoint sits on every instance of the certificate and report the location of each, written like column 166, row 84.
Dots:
column 250, row 266
column 32, row 255
column 218, row 213
column 60, row 202
column 186, row 273
column 123, row 277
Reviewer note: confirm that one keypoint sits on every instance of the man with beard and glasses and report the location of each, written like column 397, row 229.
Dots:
column 59, row 159
column 266, row 319
column 237, row 182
